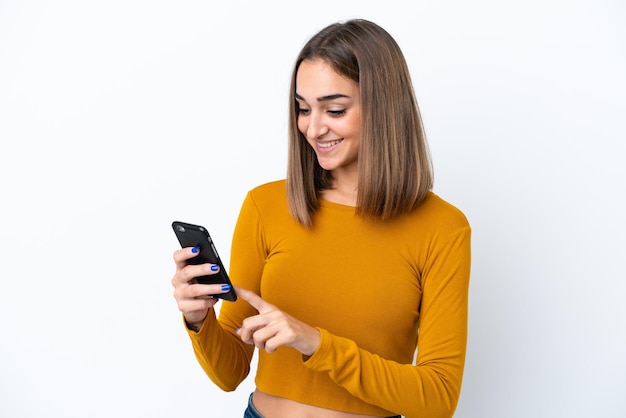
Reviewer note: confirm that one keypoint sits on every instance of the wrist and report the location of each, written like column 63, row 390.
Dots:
column 313, row 343
column 194, row 324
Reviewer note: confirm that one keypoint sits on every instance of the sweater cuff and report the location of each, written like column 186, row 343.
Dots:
column 210, row 318
column 317, row 358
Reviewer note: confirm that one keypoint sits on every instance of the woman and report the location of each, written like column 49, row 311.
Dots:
column 352, row 263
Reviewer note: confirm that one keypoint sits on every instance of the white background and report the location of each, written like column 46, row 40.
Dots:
column 118, row 117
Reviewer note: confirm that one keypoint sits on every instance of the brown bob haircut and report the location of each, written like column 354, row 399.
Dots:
column 394, row 165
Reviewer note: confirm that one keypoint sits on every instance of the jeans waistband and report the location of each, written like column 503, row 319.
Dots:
column 251, row 411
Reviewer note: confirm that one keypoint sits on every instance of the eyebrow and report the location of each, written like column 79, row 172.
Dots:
column 326, row 98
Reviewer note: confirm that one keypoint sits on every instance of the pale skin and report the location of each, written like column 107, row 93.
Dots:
column 330, row 113
column 329, row 118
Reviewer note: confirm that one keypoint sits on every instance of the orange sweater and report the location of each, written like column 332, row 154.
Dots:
column 377, row 290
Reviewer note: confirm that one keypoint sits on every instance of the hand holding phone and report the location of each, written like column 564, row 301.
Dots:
column 190, row 235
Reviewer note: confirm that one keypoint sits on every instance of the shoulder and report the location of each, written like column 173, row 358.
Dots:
column 268, row 200
column 272, row 191
column 441, row 214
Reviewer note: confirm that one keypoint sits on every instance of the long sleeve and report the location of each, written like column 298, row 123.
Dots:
column 378, row 291
column 221, row 353
column 219, row 350
column 431, row 388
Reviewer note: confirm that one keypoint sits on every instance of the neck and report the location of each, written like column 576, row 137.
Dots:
column 344, row 193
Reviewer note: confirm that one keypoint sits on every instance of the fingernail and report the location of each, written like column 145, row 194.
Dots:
column 214, row 267
column 195, row 250
column 225, row 287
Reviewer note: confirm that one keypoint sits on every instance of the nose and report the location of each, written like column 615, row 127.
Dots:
column 316, row 127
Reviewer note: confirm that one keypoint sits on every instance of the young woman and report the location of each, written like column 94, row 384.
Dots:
column 352, row 274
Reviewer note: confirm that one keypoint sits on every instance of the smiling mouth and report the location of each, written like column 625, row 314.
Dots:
column 328, row 144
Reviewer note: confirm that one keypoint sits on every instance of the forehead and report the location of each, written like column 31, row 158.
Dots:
column 317, row 78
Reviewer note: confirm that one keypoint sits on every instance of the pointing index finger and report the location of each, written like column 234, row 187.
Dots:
column 252, row 298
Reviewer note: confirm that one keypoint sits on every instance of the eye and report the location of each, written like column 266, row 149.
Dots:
column 303, row 111
column 337, row 113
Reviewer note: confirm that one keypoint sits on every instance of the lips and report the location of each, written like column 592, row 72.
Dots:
column 330, row 144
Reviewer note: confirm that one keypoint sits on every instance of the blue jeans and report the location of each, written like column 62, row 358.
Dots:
column 251, row 411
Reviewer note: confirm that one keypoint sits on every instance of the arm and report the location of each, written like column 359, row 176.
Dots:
column 221, row 353
column 432, row 386
column 224, row 357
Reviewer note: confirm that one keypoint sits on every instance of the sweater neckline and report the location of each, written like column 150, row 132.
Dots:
column 328, row 204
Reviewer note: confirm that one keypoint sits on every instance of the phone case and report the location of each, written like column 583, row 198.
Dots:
column 190, row 235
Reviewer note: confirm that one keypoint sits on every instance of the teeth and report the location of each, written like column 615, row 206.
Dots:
column 329, row 144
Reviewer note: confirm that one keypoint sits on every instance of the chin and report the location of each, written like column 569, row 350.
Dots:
column 326, row 165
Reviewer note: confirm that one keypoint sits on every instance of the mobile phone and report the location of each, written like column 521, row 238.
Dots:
column 190, row 235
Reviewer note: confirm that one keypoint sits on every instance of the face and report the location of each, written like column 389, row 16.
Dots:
column 329, row 115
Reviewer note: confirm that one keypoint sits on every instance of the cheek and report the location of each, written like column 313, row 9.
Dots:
column 302, row 126
column 351, row 128
column 356, row 121
column 350, row 125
